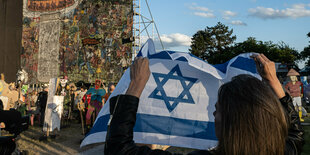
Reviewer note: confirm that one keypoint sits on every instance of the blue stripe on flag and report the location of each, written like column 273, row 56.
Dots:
column 165, row 55
column 160, row 55
column 182, row 59
column 181, row 127
column 240, row 63
column 245, row 64
column 100, row 125
column 222, row 67
column 162, row 125
column 171, row 52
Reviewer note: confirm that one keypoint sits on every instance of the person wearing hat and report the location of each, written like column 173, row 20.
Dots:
column 294, row 88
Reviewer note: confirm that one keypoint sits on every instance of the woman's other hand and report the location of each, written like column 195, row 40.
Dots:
column 139, row 75
column 267, row 71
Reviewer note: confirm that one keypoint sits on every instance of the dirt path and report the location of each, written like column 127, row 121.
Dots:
column 68, row 141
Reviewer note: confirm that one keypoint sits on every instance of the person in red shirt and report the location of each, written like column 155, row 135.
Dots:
column 294, row 88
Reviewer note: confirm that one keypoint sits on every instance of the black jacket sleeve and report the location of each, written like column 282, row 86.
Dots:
column 119, row 140
column 295, row 140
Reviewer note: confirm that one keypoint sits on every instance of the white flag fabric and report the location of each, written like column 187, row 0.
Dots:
column 177, row 104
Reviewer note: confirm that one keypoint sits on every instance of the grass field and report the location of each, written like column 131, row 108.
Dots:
column 306, row 148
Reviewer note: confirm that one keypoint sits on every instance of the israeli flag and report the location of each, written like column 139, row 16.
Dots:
column 177, row 104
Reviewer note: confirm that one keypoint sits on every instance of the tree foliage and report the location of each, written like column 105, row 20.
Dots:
column 306, row 53
column 280, row 52
column 211, row 41
column 215, row 44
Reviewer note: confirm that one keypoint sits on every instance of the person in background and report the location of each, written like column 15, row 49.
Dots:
column 1, row 105
column 79, row 98
column 111, row 88
column 80, row 103
column 1, row 108
column 33, row 97
column 42, row 99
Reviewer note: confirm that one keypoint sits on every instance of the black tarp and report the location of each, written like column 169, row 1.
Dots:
column 11, row 13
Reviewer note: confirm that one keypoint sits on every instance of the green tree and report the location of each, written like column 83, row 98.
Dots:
column 212, row 41
column 276, row 52
column 215, row 44
column 305, row 54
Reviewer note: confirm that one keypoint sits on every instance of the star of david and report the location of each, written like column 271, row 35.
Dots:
column 172, row 102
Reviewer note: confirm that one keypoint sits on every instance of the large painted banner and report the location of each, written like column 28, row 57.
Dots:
column 81, row 39
column 177, row 104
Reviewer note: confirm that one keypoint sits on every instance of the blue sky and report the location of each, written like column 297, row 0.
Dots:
column 266, row 20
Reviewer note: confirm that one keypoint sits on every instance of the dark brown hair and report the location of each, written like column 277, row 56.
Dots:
column 252, row 118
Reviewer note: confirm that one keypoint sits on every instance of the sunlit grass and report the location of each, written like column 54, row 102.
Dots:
column 306, row 148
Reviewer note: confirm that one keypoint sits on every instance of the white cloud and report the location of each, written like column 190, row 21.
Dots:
column 171, row 41
column 296, row 11
column 228, row 14
column 238, row 22
column 201, row 11
column 205, row 15
column 198, row 8
column 176, row 39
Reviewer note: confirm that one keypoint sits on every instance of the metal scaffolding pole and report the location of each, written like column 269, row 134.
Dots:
column 141, row 25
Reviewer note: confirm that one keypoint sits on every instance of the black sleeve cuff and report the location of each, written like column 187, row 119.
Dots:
column 286, row 100
column 124, row 102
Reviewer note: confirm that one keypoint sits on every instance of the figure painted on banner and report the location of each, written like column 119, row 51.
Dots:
column 89, row 58
column 42, row 99
column 99, row 66
column 97, row 51
column 81, row 58
column 109, row 54
column 295, row 89
column 103, row 52
column 123, row 63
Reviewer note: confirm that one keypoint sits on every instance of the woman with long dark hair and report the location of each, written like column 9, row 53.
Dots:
column 251, row 117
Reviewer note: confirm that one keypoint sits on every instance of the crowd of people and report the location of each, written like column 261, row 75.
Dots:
column 79, row 104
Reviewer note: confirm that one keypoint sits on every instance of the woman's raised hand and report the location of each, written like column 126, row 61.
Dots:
column 139, row 75
column 267, row 71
